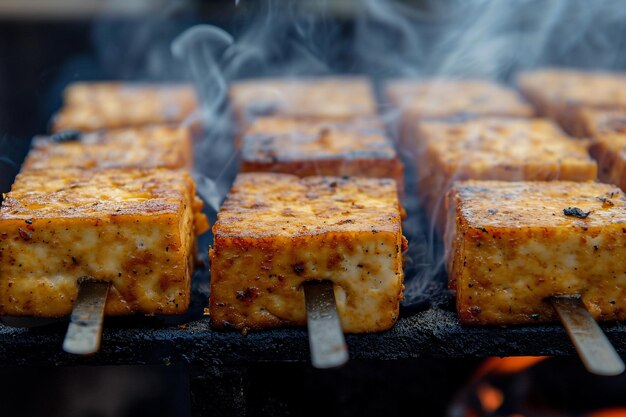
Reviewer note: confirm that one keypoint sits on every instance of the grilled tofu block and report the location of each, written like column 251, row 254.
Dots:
column 93, row 106
column 275, row 232
column 495, row 149
column 610, row 152
column 563, row 93
column 512, row 245
column 594, row 122
column 442, row 98
column 448, row 98
column 306, row 148
column 135, row 228
column 328, row 98
column 156, row 146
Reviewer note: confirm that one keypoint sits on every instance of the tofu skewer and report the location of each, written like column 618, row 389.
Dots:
column 313, row 127
column 523, row 252
column 85, row 330
column 278, row 235
column 488, row 149
column 326, row 340
column 106, row 152
column 593, row 347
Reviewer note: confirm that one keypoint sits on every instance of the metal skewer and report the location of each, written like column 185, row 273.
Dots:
column 326, row 340
column 85, row 330
column 595, row 350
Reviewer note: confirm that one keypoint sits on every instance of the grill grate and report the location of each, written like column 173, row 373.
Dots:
column 434, row 332
column 427, row 327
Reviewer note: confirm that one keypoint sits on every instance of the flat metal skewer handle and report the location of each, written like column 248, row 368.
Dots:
column 85, row 330
column 595, row 350
column 326, row 340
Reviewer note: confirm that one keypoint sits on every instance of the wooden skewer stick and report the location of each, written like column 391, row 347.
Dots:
column 85, row 330
column 326, row 340
column 595, row 350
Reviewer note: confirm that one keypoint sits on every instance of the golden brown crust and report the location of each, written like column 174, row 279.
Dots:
column 143, row 147
column 132, row 227
column 563, row 93
column 442, row 98
column 595, row 122
column 91, row 106
column 277, row 231
column 510, row 246
column 329, row 98
column 498, row 149
column 74, row 192
column 307, row 148
column 610, row 152
column 263, row 204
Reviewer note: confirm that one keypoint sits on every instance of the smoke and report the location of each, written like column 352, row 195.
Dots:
column 489, row 39
column 377, row 38
column 478, row 39
column 386, row 39
column 202, row 46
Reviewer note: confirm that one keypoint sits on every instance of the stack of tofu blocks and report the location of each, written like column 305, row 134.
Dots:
column 514, row 197
column 107, row 197
column 317, row 199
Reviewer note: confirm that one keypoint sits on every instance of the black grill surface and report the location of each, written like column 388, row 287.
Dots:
column 427, row 327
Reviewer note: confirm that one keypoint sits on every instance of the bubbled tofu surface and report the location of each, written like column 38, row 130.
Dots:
column 277, row 231
column 506, row 149
column 303, row 140
column 609, row 150
column 563, row 93
column 135, row 228
column 509, row 143
column 597, row 122
column 306, row 148
column 282, row 125
column 598, row 89
column 326, row 97
column 75, row 192
column 510, row 246
column 445, row 98
column 142, row 147
column 90, row 106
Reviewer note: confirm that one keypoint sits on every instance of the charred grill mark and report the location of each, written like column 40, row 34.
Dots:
column 298, row 268
column 576, row 212
column 248, row 295
column 66, row 136
column 261, row 108
column 26, row 235
column 605, row 202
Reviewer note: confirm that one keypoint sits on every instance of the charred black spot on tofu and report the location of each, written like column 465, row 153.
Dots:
column 248, row 295
column 262, row 108
column 576, row 212
column 26, row 235
column 605, row 202
column 298, row 268
column 66, row 136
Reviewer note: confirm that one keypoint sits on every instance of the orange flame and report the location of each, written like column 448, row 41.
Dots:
column 508, row 365
column 608, row 412
column 490, row 397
